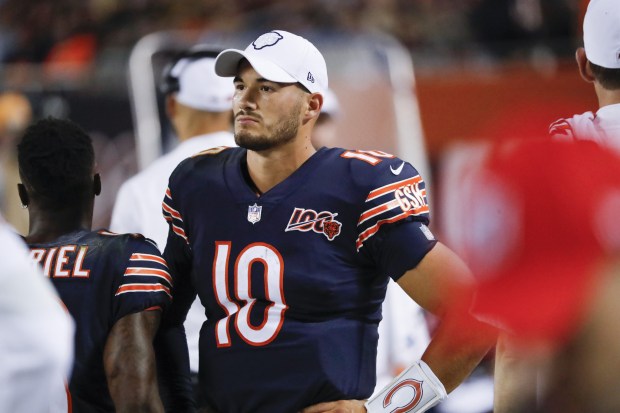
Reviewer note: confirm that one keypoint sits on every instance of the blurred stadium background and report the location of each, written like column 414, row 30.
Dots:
column 479, row 67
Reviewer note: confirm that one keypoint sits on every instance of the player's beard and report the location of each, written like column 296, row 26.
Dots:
column 284, row 132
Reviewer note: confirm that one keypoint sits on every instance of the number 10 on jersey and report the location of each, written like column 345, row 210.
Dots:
column 238, row 309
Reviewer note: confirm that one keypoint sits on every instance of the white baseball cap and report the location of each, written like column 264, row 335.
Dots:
column 200, row 88
column 601, row 33
column 281, row 57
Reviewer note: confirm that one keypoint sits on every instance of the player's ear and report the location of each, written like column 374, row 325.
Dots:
column 23, row 194
column 584, row 67
column 315, row 103
column 170, row 106
column 97, row 184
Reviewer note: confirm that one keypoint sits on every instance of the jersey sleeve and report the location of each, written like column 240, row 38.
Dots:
column 178, row 253
column 146, row 282
column 392, row 227
column 561, row 129
column 173, row 216
column 171, row 343
column 578, row 127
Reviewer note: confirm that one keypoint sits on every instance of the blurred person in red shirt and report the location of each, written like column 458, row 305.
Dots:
column 543, row 240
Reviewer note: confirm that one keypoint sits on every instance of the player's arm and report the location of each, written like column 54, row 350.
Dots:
column 440, row 283
column 173, row 355
column 171, row 343
column 129, row 362
column 454, row 351
column 515, row 380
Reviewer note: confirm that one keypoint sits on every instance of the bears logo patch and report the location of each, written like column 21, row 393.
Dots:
column 266, row 40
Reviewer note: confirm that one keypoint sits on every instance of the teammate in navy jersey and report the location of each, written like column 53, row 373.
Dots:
column 290, row 249
column 114, row 286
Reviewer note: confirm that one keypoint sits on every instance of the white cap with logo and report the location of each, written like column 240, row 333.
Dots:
column 601, row 33
column 280, row 57
column 200, row 88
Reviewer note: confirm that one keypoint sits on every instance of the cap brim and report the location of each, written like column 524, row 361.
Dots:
column 227, row 64
column 538, row 302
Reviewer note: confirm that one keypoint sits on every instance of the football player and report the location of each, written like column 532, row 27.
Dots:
column 290, row 249
column 114, row 286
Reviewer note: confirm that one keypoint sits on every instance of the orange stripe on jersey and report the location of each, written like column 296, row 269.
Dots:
column 148, row 257
column 142, row 288
column 154, row 308
column 171, row 211
column 378, row 210
column 392, row 187
column 364, row 236
column 149, row 272
column 560, row 127
column 179, row 231
column 168, row 193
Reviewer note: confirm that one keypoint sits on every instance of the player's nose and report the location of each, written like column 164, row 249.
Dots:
column 245, row 99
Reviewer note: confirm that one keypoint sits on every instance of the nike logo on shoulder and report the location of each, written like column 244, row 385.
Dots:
column 398, row 170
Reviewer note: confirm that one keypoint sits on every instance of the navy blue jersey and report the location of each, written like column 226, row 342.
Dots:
column 101, row 277
column 293, row 280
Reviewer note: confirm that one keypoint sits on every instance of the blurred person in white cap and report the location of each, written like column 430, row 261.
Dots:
column 543, row 240
column 291, row 248
column 199, row 106
column 599, row 63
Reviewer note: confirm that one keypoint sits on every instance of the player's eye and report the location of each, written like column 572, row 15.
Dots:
column 239, row 86
column 266, row 88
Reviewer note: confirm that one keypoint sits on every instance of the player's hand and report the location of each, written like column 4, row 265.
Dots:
column 340, row 406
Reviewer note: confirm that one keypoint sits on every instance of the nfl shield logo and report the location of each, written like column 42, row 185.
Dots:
column 254, row 213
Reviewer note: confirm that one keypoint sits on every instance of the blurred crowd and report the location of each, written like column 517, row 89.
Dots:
column 80, row 33
column 69, row 56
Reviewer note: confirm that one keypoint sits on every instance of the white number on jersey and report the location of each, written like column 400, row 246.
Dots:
column 273, row 267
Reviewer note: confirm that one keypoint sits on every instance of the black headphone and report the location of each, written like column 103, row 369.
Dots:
column 169, row 83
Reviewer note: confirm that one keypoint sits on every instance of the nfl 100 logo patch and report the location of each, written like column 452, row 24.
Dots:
column 323, row 222
column 254, row 213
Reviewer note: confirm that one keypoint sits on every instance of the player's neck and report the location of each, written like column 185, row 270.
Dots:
column 607, row 97
column 267, row 169
column 46, row 226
